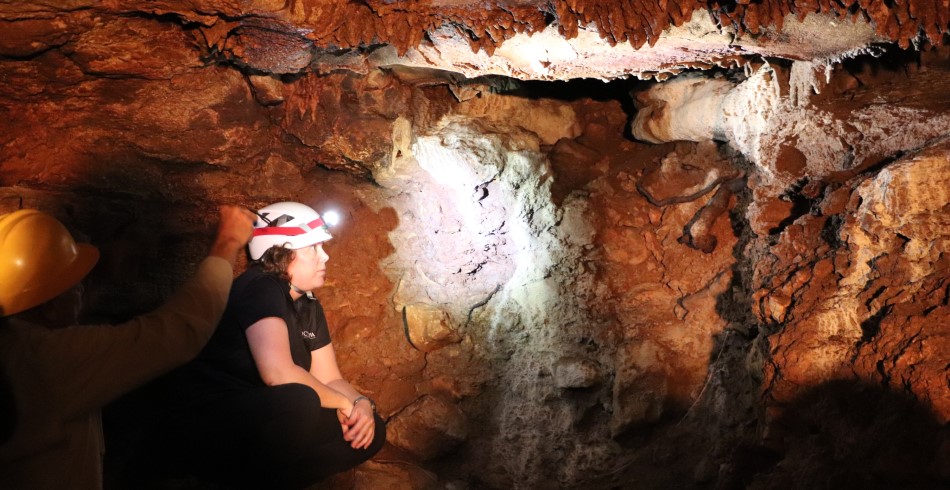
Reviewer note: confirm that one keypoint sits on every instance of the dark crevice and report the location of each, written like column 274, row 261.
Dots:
column 869, row 169
column 161, row 18
column 872, row 326
column 831, row 230
column 874, row 296
column 572, row 90
column 801, row 205
column 481, row 303
column 885, row 377
column 904, row 240
column 34, row 55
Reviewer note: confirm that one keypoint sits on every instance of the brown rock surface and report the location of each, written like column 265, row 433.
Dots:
column 871, row 307
column 428, row 428
column 612, row 313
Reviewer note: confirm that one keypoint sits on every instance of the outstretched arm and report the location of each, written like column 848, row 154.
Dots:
column 96, row 364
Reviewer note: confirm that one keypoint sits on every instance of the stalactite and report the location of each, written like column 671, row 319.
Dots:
column 751, row 20
column 675, row 13
column 354, row 24
column 655, row 24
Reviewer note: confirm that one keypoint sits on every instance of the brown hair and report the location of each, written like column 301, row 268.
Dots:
column 276, row 260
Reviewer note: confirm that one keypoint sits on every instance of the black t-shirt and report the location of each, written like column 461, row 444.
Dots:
column 256, row 295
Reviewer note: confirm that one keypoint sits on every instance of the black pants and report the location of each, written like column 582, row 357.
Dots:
column 260, row 437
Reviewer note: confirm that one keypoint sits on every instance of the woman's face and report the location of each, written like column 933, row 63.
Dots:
column 308, row 270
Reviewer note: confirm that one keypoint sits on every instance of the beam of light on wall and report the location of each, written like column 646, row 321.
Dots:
column 458, row 172
column 481, row 240
column 501, row 195
column 454, row 252
column 495, row 195
column 463, row 169
column 526, row 285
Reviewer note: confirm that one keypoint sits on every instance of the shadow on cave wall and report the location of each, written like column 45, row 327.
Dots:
column 150, row 230
column 838, row 435
column 847, row 434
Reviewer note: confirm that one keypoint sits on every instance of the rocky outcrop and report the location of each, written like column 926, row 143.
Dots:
column 790, row 133
column 848, row 284
column 861, row 288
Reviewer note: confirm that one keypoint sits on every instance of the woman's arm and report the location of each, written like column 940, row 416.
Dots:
column 270, row 347
column 360, row 426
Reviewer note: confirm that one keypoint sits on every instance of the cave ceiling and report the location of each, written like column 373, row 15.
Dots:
column 526, row 39
column 703, row 252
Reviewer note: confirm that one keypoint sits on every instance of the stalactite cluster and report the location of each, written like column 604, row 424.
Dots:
column 639, row 22
column 285, row 37
column 900, row 21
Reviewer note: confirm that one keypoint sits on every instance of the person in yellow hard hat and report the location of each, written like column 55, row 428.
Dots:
column 54, row 381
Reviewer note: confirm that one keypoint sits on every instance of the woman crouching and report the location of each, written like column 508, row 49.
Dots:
column 264, row 405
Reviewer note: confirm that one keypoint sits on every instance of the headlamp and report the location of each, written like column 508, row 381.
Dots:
column 332, row 218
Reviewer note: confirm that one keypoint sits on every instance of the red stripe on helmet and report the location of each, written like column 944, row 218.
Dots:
column 317, row 223
column 288, row 230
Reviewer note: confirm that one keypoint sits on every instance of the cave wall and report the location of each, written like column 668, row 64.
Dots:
column 829, row 179
column 530, row 295
column 842, row 188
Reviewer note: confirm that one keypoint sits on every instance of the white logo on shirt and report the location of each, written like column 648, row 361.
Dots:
column 308, row 335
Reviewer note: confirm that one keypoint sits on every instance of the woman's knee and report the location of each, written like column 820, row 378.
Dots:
column 294, row 413
column 294, row 395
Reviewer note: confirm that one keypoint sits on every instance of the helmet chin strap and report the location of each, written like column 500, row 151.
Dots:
column 308, row 294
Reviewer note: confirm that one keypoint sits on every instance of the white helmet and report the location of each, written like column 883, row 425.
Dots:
column 287, row 224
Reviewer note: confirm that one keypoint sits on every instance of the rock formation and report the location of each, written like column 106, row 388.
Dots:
column 584, row 244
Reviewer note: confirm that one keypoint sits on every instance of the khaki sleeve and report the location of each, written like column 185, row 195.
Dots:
column 93, row 365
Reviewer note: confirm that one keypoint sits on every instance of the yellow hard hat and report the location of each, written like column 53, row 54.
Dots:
column 39, row 260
